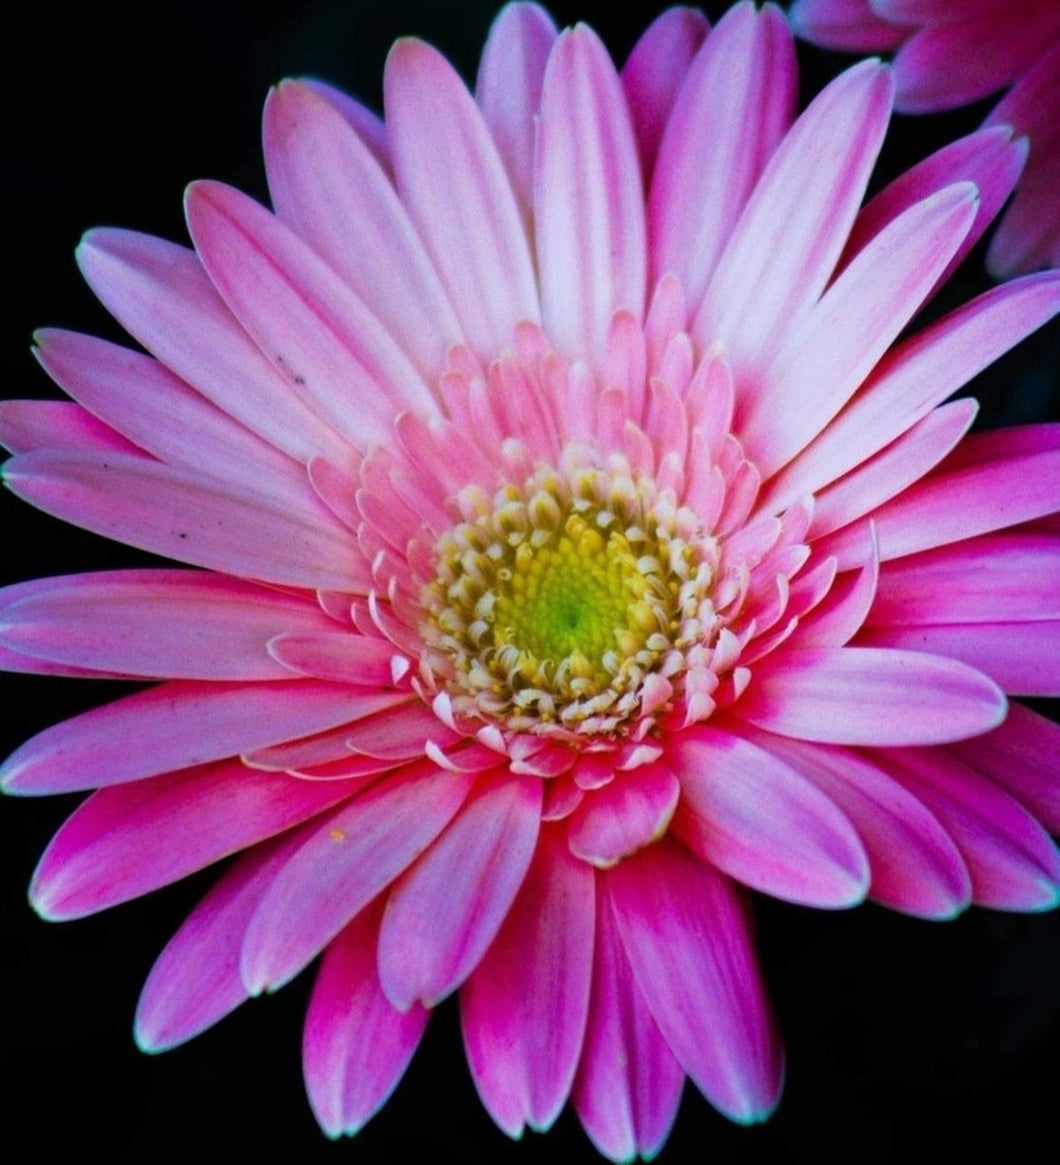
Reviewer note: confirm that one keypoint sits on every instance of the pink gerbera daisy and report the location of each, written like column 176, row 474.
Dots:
column 952, row 52
column 575, row 546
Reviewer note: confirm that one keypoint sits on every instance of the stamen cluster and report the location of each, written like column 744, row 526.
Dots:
column 570, row 600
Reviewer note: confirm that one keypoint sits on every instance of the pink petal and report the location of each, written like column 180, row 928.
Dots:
column 894, row 469
column 161, row 414
column 1013, row 863
column 195, row 980
column 446, row 909
column 1029, row 236
column 857, row 319
column 327, row 186
column 453, row 184
column 365, row 122
column 174, row 726
column 354, row 855
column 192, row 517
column 1023, row 757
column 130, row 839
column 916, row 376
column 29, row 425
column 628, row 1085
column 861, row 696
column 785, row 246
column 989, row 157
column 729, row 116
column 993, row 480
column 850, row 25
column 916, row 867
column 686, row 932
column 949, row 65
column 655, row 71
column 340, row 656
column 155, row 623
column 758, row 820
column 1006, row 576
column 629, row 812
column 508, row 88
column 160, row 294
column 332, row 350
column 523, row 1010
column 1021, row 658
column 588, row 198
column 356, row 1045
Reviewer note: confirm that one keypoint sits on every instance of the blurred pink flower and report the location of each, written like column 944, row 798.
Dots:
column 952, row 52
column 581, row 547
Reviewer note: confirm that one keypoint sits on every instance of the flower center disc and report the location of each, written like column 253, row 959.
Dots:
column 556, row 599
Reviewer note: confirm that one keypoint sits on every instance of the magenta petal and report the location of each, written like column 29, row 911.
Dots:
column 628, row 1085
column 629, row 812
column 109, row 849
column 27, row 425
column 868, row 695
column 655, row 71
column 850, row 25
column 177, row 725
column 356, row 1045
column 195, row 980
column 686, row 932
column 155, row 623
column 354, row 855
column 524, row 1008
column 1012, row 860
column 760, row 821
column 916, row 867
column 1022, row 756
column 445, row 910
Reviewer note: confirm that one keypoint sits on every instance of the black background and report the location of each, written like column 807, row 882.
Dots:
column 903, row 1036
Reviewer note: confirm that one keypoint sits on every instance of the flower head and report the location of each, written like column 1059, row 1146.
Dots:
column 954, row 52
column 576, row 545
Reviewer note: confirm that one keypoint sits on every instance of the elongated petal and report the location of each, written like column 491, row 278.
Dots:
column 129, row 839
column 454, row 186
column 755, row 818
column 1021, row 658
column 155, row 624
column 340, row 656
column 628, row 1084
column 195, row 981
column 1022, row 756
column 523, row 1010
column 174, row 726
column 192, row 517
column 992, row 480
column 918, row 374
column 1013, row 862
column 356, row 1045
column 786, row 243
column 630, row 812
column 861, row 695
column 588, row 198
column 332, row 350
column 845, row 24
column 444, row 912
column 161, row 295
column 685, row 929
column 354, row 855
column 327, row 186
column 937, row 68
column 916, row 867
column 28, row 425
column 655, row 71
column 843, row 336
column 508, row 88
column 731, row 112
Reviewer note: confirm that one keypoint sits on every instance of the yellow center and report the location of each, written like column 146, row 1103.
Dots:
column 554, row 600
